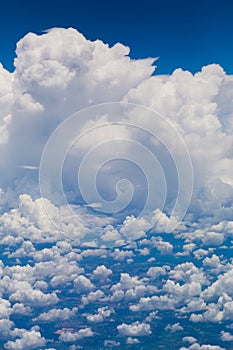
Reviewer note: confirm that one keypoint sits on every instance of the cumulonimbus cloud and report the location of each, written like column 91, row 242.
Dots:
column 61, row 73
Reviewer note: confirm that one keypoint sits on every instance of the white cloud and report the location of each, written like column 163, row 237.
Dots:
column 28, row 340
column 132, row 341
column 174, row 327
column 56, row 315
column 102, row 313
column 30, row 296
column 111, row 343
column 51, row 82
column 226, row 336
column 101, row 273
column 196, row 346
column 134, row 228
column 93, row 297
column 136, row 329
column 68, row 336
column 189, row 340
column 83, row 284
column 154, row 303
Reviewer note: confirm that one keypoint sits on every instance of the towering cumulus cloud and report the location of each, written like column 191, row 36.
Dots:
column 60, row 73
column 97, row 152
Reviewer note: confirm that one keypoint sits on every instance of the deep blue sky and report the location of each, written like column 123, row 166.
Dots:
column 184, row 33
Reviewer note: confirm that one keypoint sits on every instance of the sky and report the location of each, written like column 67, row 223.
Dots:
column 116, row 184
column 187, row 34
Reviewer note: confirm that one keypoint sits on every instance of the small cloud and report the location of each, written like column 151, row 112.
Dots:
column 94, row 205
column 29, row 167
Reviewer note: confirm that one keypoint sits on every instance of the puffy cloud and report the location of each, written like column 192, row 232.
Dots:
column 103, row 312
column 5, row 309
column 132, row 341
column 130, row 288
column 101, row 272
column 196, row 117
column 56, row 315
column 120, row 255
column 188, row 272
column 156, row 271
column 196, row 346
column 6, row 100
column 30, row 296
column 189, row 340
column 136, row 329
column 111, row 234
column 46, row 71
column 213, row 239
column 226, row 336
column 31, row 220
column 93, row 297
column 20, row 309
column 45, row 60
column 28, row 340
column 6, row 326
column 213, row 262
column 51, row 82
column 161, row 221
column 174, row 327
column 223, row 284
column 162, row 246
column 83, row 284
column 155, row 302
column 200, row 253
column 68, row 336
column 134, row 228
column 111, row 343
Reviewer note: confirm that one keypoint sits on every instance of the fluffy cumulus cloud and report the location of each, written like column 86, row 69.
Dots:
column 28, row 340
column 60, row 72
column 56, row 314
column 68, row 336
column 136, row 329
column 116, row 217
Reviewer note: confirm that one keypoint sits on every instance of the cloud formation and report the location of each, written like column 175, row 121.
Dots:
column 50, row 270
column 50, row 82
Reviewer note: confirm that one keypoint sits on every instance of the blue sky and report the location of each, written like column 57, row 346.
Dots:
column 186, row 34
